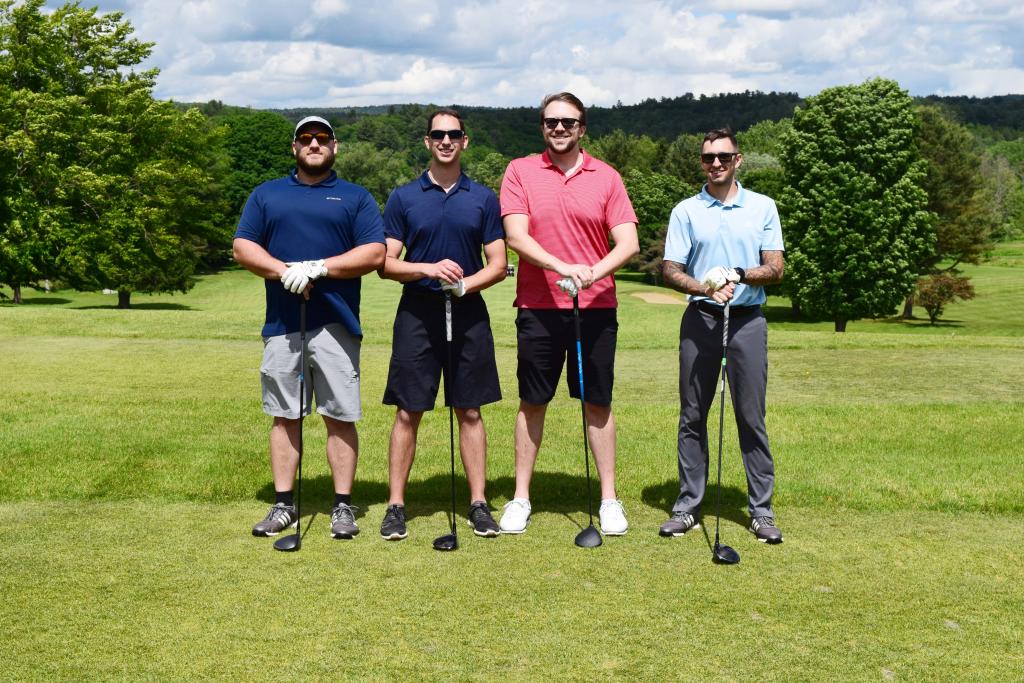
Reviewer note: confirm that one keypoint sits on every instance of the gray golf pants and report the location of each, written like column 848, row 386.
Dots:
column 700, row 358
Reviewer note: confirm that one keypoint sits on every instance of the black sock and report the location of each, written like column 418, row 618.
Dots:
column 284, row 497
column 345, row 498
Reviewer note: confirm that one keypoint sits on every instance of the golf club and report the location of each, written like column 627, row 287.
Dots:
column 589, row 537
column 292, row 543
column 722, row 554
column 449, row 541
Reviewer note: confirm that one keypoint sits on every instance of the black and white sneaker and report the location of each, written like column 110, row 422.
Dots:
column 481, row 520
column 343, row 521
column 393, row 526
column 764, row 530
column 678, row 524
column 279, row 518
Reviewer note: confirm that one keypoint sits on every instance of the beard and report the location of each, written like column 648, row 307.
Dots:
column 551, row 142
column 318, row 167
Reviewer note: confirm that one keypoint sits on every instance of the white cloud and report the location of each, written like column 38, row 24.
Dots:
column 510, row 52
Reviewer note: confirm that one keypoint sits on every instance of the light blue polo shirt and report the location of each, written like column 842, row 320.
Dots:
column 704, row 233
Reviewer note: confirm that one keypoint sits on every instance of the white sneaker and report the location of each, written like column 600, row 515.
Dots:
column 516, row 516
column 613, row 518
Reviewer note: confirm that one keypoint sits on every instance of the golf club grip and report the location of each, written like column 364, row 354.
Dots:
column 448, row 316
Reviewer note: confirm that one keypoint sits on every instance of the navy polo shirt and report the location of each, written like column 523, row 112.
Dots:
column 434, row 225
column 298, row 222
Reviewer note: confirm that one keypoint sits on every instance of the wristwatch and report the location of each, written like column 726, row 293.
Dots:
column 741, row 272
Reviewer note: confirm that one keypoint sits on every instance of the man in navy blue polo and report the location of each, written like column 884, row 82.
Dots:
column 311, row 235
column 442, row 220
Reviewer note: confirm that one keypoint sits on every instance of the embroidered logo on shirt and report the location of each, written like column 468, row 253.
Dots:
column 336, row 199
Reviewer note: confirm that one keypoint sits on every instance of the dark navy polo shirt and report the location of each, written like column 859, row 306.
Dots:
column 298, row 222
column 434, row 225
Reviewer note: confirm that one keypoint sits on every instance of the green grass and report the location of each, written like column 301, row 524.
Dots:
column 133, row 463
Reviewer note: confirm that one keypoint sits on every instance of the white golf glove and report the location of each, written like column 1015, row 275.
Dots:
column 299, row 274
column 568, row 286
column 717, row 277
column 457, row 288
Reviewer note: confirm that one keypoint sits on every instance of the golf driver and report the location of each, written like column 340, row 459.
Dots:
column 722, row 554
column 589, row 537
column 292, row 543
column 449, row 541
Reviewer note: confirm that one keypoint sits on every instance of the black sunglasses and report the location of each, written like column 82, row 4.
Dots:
column 452, row 134
column 568, row 124
column 306, row 138
column 725, row 158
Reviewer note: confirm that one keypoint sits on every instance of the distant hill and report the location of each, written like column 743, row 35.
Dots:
column 513, row 130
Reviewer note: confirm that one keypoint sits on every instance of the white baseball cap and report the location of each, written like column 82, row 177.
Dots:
column 312, row 119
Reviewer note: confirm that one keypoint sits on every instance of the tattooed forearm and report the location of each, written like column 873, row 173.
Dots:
column 769, row 272
column 677, row 278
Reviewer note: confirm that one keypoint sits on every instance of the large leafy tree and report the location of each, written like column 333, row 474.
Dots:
column 956, row 195
column 855, row 212
column 109, row 188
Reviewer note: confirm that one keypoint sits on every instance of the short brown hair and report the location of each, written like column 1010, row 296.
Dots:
column 568, row 98
column 444, row 111
column 718, row 134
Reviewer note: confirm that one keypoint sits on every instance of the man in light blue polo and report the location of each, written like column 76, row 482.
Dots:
column 730, row 238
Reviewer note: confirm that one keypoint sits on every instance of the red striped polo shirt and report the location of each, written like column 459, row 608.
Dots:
column 571, row 218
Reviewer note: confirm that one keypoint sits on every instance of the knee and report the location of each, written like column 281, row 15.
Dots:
column 469, row 417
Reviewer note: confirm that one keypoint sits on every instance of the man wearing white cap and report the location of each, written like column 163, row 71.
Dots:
column 311, row 235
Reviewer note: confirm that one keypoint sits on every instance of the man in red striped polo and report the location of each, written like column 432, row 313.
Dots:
column 560, row 210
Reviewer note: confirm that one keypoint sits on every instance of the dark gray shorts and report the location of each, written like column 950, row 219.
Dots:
column 419, row 352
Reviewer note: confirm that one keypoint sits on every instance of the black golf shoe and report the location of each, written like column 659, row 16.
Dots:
column 678, row 524
column 764, row 530
column 279, row 518
column 343, row 521
column 393, row 526
column 481, row 521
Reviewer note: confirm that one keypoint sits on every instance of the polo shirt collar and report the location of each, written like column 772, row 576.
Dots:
column 426, row 183
column 588, row 161
column 710, row 200
column 330, row 181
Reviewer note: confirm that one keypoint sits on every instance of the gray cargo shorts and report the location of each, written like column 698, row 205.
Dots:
column 332, row 374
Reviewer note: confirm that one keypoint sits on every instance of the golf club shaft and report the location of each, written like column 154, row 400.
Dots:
column 583, row 406
column 721, row 419
column 302, row 414
column 451, row 398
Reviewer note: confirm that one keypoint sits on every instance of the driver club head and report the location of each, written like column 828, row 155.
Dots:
column 446, row 543
column 588, row 538
column 288, row 544
column 723, row 554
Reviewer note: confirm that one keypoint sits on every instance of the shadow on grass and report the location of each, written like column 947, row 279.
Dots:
column 734, row 502
column 549, row 492
column 920, row 322
column 37, row 301
column 138, row 307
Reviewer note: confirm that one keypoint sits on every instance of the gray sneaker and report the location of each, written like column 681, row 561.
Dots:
column 279, row 518
column 481, row 521
column 343, row 521
column 678, row 524
column 393, row 526
column 764, row 530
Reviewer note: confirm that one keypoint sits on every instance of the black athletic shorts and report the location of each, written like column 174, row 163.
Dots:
column 547, row 340
column 419, row 352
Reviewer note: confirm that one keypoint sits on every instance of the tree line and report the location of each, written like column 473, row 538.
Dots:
column 882, row 196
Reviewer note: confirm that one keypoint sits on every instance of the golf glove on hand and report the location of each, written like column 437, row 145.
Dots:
column 315, row 269
column 457, row 288
column 719, row 275
column 568, row 286
column 295, row 278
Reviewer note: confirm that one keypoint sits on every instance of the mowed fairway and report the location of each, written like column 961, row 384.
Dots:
column 133, row 465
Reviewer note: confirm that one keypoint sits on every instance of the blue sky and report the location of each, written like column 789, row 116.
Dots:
column 271, row 53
